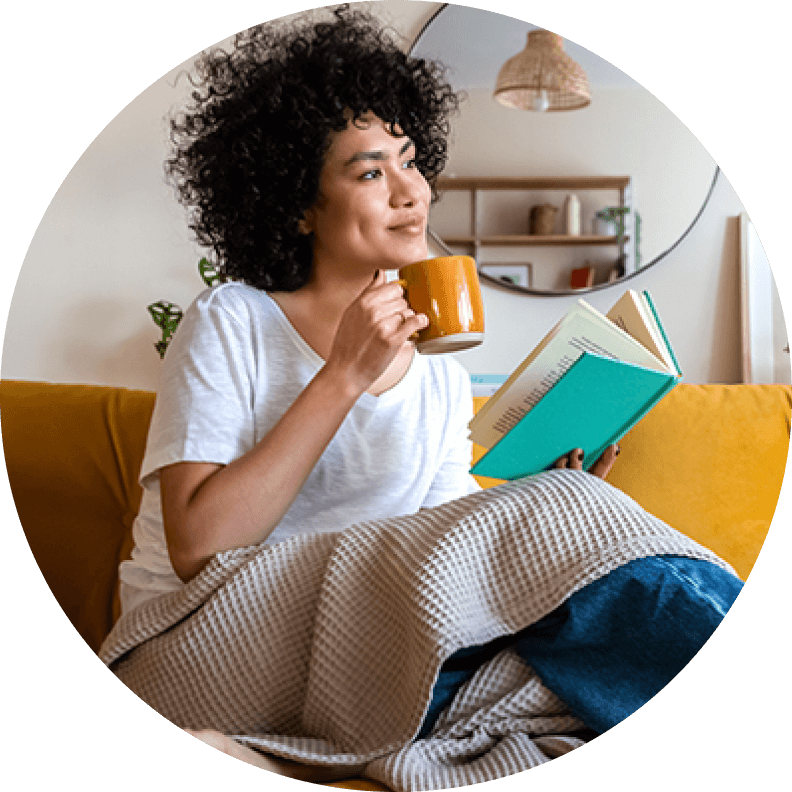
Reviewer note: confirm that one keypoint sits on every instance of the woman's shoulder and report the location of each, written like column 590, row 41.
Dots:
column 232, row 297
column 232, row 302
column 232, row 311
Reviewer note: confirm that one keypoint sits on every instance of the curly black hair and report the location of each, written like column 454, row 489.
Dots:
column 248, row 150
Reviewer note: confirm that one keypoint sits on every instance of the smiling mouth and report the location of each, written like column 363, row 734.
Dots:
column 412, row 226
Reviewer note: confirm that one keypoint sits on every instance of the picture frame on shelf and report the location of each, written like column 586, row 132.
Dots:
column 518, row 274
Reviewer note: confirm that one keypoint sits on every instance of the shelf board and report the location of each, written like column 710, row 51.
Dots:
column 530, row 240
column 543, row 183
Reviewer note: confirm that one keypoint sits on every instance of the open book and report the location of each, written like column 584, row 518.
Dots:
column 586, row 384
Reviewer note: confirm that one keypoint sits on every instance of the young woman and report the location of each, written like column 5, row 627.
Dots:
column 292, row 399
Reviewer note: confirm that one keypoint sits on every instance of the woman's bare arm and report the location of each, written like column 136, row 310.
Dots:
column 209, row 508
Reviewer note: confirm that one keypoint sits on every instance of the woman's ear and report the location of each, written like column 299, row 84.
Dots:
column 305, row 225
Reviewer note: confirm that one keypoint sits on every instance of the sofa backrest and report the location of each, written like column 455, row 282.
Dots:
column 73, row 453
column 709, row 460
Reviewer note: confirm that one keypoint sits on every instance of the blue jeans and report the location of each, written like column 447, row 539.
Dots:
column 613, row 644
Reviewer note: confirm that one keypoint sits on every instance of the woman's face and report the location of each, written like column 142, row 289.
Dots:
column 373, row 202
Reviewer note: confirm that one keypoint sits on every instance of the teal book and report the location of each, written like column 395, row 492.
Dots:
column 593, row 405
column 585, row 385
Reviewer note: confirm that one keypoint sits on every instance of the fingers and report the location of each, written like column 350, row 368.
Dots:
column 561, row 462
column 386, row 308
column 372, row 331
column 383, row 293
column 411, row 323
column 603, row 465
column 571, row 461
column 380, row 286
column 393, row 329
column 574, row 461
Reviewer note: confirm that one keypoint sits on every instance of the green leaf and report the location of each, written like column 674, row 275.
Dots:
column 164, row 312
column 166, row 316
column 209, row 273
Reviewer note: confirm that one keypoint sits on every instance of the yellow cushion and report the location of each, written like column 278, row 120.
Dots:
column 709, row 460
column 73, row 453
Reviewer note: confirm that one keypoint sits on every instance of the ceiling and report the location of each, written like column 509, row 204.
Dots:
column 474, row 44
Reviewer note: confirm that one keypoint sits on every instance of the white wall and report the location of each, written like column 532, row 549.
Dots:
column 114, row 240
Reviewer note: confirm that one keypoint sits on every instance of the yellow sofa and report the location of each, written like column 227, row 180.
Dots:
column 709, row 460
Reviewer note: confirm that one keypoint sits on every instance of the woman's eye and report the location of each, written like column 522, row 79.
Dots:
column 376, row 173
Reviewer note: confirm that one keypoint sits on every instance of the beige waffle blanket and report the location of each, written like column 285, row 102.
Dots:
column 324, row 649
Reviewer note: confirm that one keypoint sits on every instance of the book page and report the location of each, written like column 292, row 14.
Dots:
column 582, row 330
column 515, row 375
column 630, row 314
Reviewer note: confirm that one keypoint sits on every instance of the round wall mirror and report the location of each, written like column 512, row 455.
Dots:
column 626, row 167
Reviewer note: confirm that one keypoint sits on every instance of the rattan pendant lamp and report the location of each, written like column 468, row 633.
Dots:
column 542, row 77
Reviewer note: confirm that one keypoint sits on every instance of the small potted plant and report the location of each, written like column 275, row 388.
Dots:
column 167, row 315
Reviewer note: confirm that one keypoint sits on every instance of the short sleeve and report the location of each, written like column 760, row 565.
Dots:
column 205, row 403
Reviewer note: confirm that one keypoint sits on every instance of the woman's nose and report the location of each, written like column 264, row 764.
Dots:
column 408, row 188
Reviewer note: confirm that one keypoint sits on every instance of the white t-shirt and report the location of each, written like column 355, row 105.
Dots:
column 233, row 368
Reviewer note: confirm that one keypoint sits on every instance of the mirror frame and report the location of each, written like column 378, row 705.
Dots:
column 513, row 287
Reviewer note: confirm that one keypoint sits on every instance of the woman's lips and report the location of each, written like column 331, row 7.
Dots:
column 410, row 227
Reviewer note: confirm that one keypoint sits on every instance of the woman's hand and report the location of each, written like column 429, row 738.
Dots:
column 209, row 508
column 574, row 461
column 372, row 331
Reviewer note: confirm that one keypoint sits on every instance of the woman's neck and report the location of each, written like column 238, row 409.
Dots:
column 315, row 310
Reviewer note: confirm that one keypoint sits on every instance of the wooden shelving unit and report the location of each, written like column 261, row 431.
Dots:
column 542, row 183
column 477, row 187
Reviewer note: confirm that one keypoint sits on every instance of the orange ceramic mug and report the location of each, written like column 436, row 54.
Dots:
column 447, row 290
